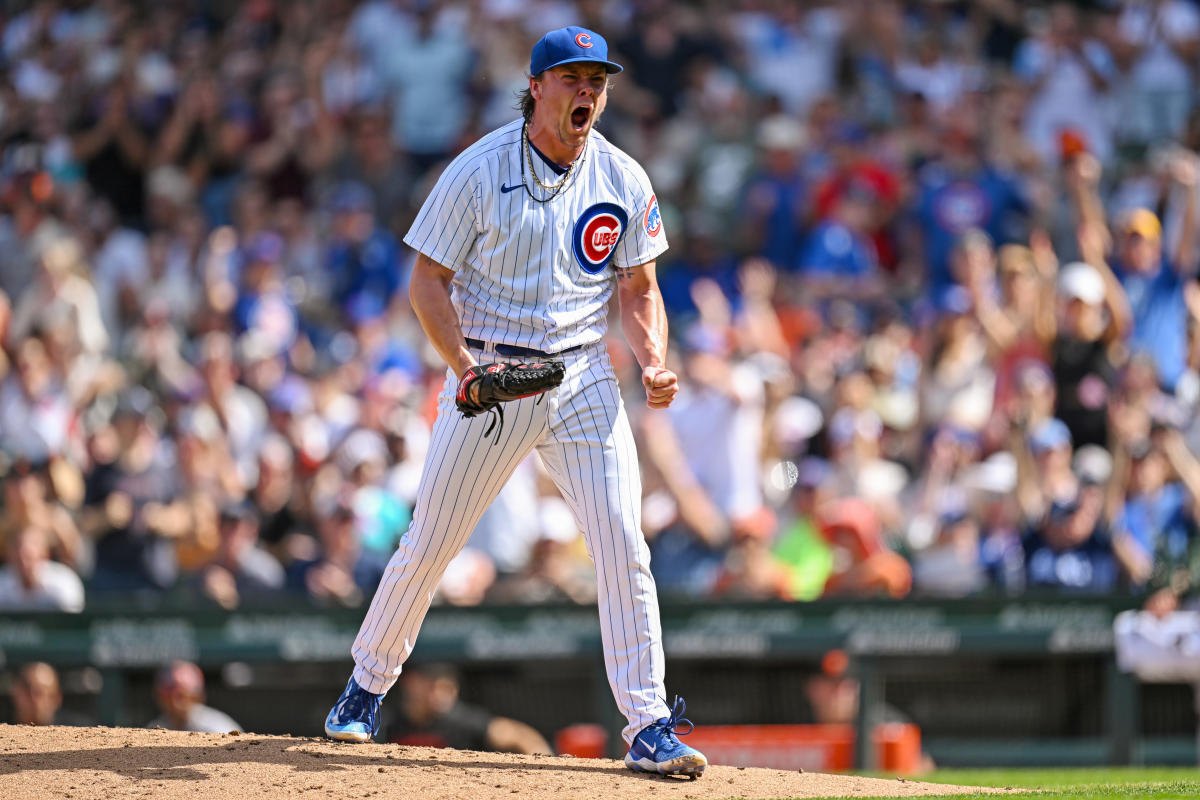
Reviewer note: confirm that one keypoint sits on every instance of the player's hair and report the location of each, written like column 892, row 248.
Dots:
column 525, row 102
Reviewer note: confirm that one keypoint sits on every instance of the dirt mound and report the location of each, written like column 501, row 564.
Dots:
column 119, row 763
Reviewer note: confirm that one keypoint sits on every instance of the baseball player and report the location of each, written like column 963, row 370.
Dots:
column 521, row 245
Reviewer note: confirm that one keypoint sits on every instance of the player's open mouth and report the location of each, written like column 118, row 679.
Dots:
column 580, row 117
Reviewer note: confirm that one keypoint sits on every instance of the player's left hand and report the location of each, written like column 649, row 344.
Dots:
column 661, row 386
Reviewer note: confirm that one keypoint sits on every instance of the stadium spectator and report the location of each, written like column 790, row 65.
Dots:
column 1157, row 522
column 240, row 570
column 343, row 573
column 862, row 565
column 1071, row 549
column 1069, row 74
column 37, row 698
column 179, row 693
column 32, row 582
column 776, row 197
column 363, row 258
column 431, row 714
column 132, row 473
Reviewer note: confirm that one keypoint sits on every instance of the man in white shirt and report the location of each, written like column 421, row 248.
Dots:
column 32, row 582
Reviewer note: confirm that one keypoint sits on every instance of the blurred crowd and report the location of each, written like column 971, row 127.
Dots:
column 931, row 287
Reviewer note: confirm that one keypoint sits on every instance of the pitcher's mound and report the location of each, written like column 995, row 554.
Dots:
column 119, row 763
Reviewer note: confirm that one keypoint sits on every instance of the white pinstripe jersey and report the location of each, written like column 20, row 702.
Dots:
column 537, row 274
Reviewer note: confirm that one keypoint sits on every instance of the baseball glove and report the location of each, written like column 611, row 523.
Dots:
column 500, row 383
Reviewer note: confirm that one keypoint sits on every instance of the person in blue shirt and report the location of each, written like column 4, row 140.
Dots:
column 1153, row 282
column 775, row 202
column 839, row 247
column 960, row 192
column 1071, row 549
column 1157, row 521
column 363, row 259
column 263, row 305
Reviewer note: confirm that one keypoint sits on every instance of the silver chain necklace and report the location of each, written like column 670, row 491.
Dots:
column 553, row 188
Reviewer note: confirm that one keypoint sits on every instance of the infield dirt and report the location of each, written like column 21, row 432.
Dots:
column 120, row 763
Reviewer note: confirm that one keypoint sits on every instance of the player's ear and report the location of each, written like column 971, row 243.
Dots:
column 535, row 87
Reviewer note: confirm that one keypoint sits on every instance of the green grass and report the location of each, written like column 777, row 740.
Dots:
column 1106, row 783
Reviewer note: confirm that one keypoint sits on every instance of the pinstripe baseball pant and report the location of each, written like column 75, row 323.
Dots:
column 582, row 435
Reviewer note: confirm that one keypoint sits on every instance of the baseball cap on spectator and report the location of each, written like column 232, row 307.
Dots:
column 797, row 419
column 201, row 422
column 996, row 474
column 850, row 133
column 238, row 512
column 1062, row 509
column 264, row 247
column 363, row 307
column 1050, row 434
column 1140, row 449
column 171, row 183
column 136, row 402
column 569, row 45
column 1092, row 464
column 360, row 447
column 855, row 518
column 782, row 132
column 292, row 396
column 1081, row 281
column 350, row 196
column 955, row 301
column 254, row 346
column 1140, row 221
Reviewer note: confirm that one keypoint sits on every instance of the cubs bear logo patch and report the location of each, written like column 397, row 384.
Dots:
column 652, row 221
column 596, row 235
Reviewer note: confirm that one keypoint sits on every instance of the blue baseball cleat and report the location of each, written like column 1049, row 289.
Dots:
column 355, row 716
column 657, row 748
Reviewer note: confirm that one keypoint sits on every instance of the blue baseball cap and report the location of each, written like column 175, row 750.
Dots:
column 567, row 45
column 1050, row 434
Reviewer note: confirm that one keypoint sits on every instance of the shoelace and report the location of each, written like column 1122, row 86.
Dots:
column 676, row 719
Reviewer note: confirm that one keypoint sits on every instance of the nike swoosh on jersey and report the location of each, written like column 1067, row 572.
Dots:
column 506, row 189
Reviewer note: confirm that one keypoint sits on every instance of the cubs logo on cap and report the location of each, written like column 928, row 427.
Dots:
column 596, row 236
column 652, row 220
column 567, row 45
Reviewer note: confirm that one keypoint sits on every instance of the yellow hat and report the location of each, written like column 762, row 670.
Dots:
column 1143, row 222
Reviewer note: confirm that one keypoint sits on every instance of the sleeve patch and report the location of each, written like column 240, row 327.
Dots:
column 652, row 219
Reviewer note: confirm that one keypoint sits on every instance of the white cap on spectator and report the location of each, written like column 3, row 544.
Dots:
column 782, row 132
column 797, row 419
column 360, row 447
column 1093, row 464
column 996, row 474
column 1081, row 281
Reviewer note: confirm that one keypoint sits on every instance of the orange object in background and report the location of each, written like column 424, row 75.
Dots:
column 582, row 741
column 816, row 748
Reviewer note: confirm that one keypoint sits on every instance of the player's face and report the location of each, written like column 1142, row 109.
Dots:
column 570, row 98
